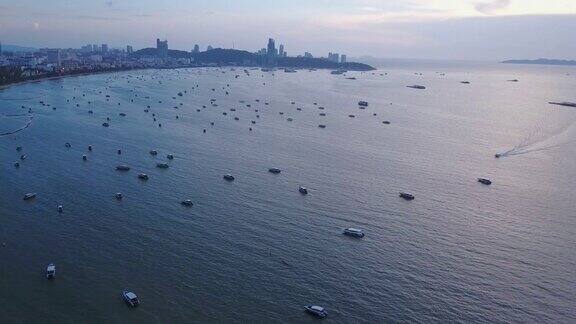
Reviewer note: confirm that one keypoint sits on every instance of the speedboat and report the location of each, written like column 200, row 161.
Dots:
column 363, row 103
column 142, row 176
column 162, row 165
column 119, row 195
column 29, row 196
column 60, row 209
column 322, row 126
column 317, row 311
column 229, row 177
column 51, row 271
column 122, row 167
column 153, row 152
column 303, row 190
column 485, row 181
column 130, row 298
column 274, row 170
column 353, row 232
column 170, row 157
column 106, row 124
column 386, row 122
column 407, row 196
column 417, row 87
column 187, row 202
column 497, row 155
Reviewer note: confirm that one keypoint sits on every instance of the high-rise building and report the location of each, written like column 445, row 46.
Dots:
column 281, row 52
column 308, row 55
column 196, row 49
column 334, row 57
column 104, row 48
column 0, row 48
column 129, row 49
column 209, row 48
column 343, row 58
column 53, row 56
column 271, row 52
column 161, row 48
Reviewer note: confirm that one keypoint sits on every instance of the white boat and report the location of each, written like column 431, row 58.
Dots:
column 130, row 298
column 317, row 311
column 354, row 232
column 51, row 271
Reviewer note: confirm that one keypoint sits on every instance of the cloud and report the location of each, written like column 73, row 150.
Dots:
column 491, row 7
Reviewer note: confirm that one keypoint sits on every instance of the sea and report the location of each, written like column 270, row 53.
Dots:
column 256, row 250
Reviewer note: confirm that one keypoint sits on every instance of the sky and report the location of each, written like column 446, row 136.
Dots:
column 421, row 29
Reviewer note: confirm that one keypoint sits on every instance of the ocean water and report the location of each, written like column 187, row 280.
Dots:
column 255, row 250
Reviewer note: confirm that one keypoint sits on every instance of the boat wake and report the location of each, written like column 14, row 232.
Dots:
column 539, row 138
column 26, row 125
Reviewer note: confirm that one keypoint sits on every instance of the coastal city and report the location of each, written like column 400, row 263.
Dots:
column 30, row 64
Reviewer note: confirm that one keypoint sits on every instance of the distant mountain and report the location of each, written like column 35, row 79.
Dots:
column 223, row 56
column 16, row 48
column 542, row 61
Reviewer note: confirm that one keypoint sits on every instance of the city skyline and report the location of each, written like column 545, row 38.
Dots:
column 475, row 30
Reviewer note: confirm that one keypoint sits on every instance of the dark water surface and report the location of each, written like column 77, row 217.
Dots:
column 256, row 250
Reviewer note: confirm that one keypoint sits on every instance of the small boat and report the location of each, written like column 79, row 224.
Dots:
column 351, row 116
column 229, row 177
column 363, row 103
column 84, row 157
column 16, row 164
column 303, row 190
column 60, row 209
column 274, row 170
column 465, row 82
column 29, row 196
column 322, row 126
column 564, row 103
column 119, row 195
column 153, row 152
column 187, row 202
column 317, row 311
column 170, row 157
column 51, row 271
column 417, row 87
column 162, row 165
column 513, row 80
column 497, row 155
column 106, row 124
column 485, row 181
column 122, row 167
column 143, row 176
column 122, row 114
column 354, row 232
column 386, row 122
column 407, row 196
column 130, row 298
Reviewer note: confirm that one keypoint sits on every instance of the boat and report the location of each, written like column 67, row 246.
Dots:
column 564, row 103
column 407, row 196
column 170, row 157
column 338, row 72
column 465, row 82
column 317, row 311
column 497, row 155
column 513, row 80
column 16, row 164
column 229, row 177
column 187, row 202
column 322, row 126
column 106, row 124
column 363, row 103
column 386, row 122
column 162, row 165
column 143, row 176
column 119, row 195
column 420, row 87
column 122, row 114
column 303, row 190
column 29, row 196
column 122, row 167
column 60, row 209
column 485, row 181
column 130, row 298
column 51, row 271
column 354, row 232
column 274, row 170
column 153, row 152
